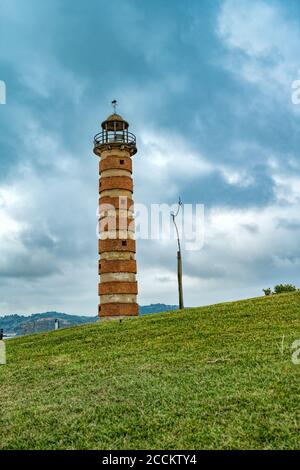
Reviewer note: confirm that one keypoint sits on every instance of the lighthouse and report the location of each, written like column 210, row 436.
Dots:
column 115, row 146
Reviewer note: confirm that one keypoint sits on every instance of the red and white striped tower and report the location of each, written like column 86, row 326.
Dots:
column 117, row 265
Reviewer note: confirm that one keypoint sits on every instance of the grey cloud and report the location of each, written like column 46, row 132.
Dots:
column 250, row 227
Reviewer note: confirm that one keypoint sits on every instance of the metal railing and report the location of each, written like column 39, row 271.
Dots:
column 110, row 137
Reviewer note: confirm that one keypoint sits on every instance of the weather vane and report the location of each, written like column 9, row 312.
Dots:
column 114, row 103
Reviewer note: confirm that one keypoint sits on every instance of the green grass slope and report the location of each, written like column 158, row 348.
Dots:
column 217, row 377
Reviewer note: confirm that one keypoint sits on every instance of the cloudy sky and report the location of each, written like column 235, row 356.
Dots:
column 206, row 87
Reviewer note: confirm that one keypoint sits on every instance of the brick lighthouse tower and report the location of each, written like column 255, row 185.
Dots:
column 117, row 266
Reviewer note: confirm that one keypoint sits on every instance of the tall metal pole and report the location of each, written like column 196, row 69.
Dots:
column 179, row 258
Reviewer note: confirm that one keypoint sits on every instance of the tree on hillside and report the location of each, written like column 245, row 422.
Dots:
column 280, row 289
column 267, row 291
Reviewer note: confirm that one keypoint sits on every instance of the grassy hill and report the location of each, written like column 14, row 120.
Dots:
column 205, row 378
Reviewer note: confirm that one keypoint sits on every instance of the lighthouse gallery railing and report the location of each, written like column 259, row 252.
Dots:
column 109, row 137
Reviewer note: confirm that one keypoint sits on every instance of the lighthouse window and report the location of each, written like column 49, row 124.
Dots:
column 122, row 162
column 124, row 243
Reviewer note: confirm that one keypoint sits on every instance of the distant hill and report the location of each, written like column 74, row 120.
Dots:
column 215, row 377
column 156, row 308
column 39, row 322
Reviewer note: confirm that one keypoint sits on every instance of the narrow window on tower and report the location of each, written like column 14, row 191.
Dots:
column 122, row 162
column 124, row 243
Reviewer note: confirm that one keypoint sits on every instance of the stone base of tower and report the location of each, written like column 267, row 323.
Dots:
column 120, row 317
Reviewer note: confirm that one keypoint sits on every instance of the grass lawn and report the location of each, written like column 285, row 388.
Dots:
column 217, row 377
